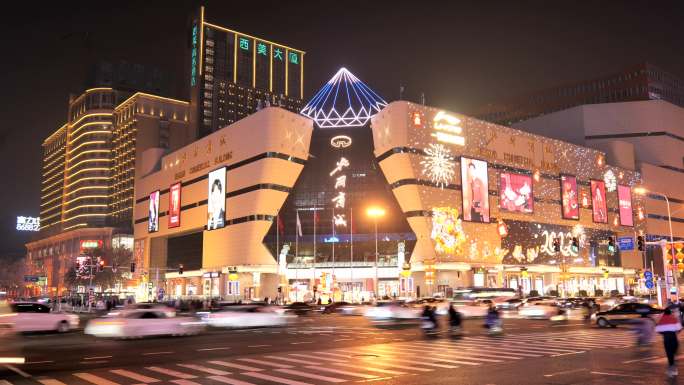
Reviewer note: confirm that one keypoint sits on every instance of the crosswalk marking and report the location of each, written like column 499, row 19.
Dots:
column 204, row 369
column 372, row 369
column 290, row 359
column 452, row 354
column 469, row 353
column 345, row 372
column 228, row 380
column 420, row 355
column 236, row 366
column 134, row 376
column 477, row 347
column 94, row 379
column 171, row 372
column 318, row 358
column 267, row 363
column 50, row 381
column 375, row 359
column 310, row 375
column 185, row 382
column 274, row 378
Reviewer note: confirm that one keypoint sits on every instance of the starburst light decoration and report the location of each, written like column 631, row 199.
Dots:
column 611, row 182
column 438, row 165
column 344, row 101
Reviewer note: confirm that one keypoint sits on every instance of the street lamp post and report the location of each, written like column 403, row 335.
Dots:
column 376, row 213
column 643, row 191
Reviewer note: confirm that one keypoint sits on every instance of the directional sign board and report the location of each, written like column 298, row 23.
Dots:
column 626, row 243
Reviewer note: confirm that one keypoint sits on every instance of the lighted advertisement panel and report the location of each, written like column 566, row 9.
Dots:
column 599, row 209
column 216, row 207
column 153, row 213
column 625, row 199
column 569, row 197
column 515, row 193
column 174, row 205
column 475, row 190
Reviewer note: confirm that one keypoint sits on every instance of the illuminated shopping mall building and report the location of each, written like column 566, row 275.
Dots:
column 298, row 213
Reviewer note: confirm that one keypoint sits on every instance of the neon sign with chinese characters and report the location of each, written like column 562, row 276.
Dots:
column 193, row 57
column 28, row 223
column 447, row 129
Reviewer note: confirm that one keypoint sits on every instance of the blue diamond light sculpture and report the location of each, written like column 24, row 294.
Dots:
column 344, row 101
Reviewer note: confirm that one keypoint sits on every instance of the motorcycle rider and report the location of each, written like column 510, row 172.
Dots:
column 493, row 320
column 454, row 319
column 429, row 317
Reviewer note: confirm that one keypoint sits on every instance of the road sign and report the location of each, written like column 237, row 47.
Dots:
column 626, row 243
column 30, row 278
column 649, row 284
column 648, row 275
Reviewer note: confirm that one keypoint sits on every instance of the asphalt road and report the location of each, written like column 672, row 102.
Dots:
column 329, row 349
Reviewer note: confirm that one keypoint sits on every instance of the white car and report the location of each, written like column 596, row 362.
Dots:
column 392, row 310
column 142, row 323
column 471, row 309
column 36, row 317
column 543, row 310
column 247, row 317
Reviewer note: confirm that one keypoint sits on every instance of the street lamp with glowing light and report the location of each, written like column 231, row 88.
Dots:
column 376, row 213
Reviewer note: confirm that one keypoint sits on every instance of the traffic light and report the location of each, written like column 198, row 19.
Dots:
column 556, row 245
column 180, row 269
column 575, row 244
column 611, row 245
column 132, row 267
column 640, row 243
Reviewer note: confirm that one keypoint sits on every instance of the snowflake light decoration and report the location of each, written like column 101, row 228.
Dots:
column 611, row 182
column 438, row 165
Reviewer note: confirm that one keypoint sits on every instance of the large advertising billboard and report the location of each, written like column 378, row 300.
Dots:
column 625, row 199
column 569, row 197
column 515, row 193
column 599, row 209
column 153, row 213
column 475, row 189
column 216, row 207
column 174, row 205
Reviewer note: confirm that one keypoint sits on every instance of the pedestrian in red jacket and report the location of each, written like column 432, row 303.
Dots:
column 669, row 326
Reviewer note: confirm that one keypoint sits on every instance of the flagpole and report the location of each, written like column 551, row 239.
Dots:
column 314, row 249
column 297, row 258
column 351, row 250
column 333, row 242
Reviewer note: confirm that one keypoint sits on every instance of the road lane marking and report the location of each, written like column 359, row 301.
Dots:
column 257, row 346
column 640, row 359
column 342, row 339
column 227, row 380
column 302, row 342
column 274, row 378
column 255, row 361
column 96, row 358
column 38, row 362
column 290, row 359
column 18, row 371
column 385, row 371
column 200, row 368
column 185, row 382
column 210, row 349
column 565, row 372
column 50, row 381
column 616, row 374
column 94, row 379
column 344, row 372
column 134, row 376
column 236, row 366
column 170, row 372
column 155, row 353
column 310, row 375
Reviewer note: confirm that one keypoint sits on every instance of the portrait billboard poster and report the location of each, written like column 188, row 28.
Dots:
column 153, row 213
column 515, row 193
column 569, row 197
column 475, row 190
column 174, row 205
column 599, row 209
column 216, row 206
column 625, row 199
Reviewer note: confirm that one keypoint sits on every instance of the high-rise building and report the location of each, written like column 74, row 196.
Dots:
column 233, row 74
column 52, row 181
column 639, row 82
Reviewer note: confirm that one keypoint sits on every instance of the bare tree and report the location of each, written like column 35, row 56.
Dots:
column 116, row 266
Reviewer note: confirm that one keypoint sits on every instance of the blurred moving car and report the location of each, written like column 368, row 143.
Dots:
column 142, row 323
column 248, row 316
column 298, row 308
column 36, row 317
column 10, row 345
column 345, row 308
column 624, row 313
column 544, row 309
column 471, row 309
column 392, row 310
column 441, row 305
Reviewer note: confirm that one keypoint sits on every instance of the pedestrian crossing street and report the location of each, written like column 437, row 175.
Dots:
column 370, row 362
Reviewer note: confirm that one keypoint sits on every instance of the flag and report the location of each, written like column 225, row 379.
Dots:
column 281, row 226
column 299, row 225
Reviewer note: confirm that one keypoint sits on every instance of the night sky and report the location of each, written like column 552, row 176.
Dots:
column 459, row 55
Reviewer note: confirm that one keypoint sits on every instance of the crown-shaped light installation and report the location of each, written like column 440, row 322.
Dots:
column 344, row 101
